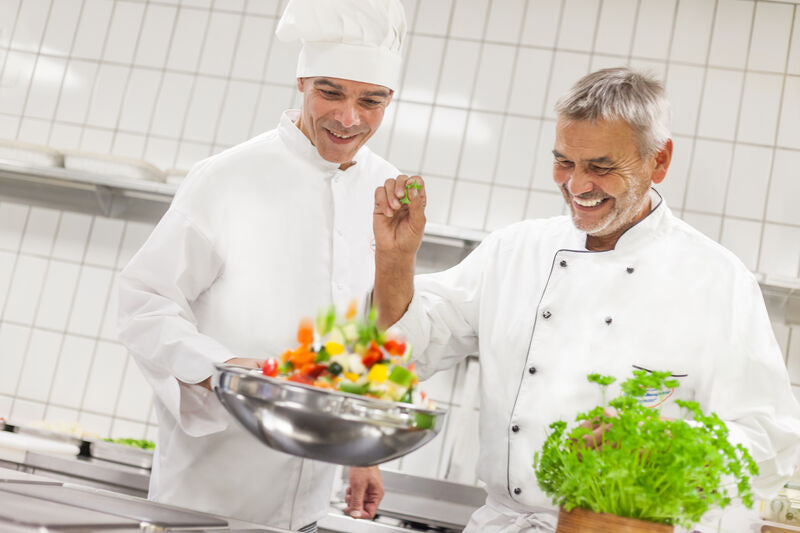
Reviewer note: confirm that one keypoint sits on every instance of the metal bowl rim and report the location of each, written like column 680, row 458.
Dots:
column 247, row 373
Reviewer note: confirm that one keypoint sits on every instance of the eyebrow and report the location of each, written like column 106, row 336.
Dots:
column 605, row 160
column 328, row 83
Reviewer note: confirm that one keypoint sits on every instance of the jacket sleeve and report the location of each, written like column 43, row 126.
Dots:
column 441, row 322
column 157, row 325
column 751, row 392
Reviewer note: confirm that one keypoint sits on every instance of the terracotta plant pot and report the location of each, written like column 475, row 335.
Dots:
column 583, row 521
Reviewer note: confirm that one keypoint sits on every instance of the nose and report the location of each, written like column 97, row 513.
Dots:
column 348, row 115
column 579, row 182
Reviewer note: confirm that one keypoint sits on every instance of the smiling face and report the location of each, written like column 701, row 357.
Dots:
column 603, row 179
column 340, row 115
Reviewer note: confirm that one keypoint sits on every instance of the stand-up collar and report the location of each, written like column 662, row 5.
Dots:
column 642, row 231
column 297, row 141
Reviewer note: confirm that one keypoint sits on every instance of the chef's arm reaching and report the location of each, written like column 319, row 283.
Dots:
column 156, row 323
column 398, row 228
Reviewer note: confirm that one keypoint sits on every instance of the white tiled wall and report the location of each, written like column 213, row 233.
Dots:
column 174, row 81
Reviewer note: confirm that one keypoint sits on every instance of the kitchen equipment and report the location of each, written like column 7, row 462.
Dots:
column 111, row 165
column 14, row 446
column 322, row 424
column 24, row 513
column 33, row 154
column 120, row 453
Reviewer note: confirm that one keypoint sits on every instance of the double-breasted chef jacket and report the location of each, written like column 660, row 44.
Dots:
column 256, row 238
column 542, row 312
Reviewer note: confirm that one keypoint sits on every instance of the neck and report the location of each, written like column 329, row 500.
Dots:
column 602, row 243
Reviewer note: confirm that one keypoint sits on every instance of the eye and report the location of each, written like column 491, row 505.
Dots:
column 600, row 171
column 563, row 163
column 329, row 94
column 370, row 103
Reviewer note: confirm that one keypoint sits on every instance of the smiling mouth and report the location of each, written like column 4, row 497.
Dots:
column 340, row 138
column 588, row 203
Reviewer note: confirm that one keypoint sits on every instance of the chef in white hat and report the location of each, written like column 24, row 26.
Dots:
column 257, row 237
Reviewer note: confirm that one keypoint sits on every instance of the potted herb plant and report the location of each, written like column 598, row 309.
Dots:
column 648, row 473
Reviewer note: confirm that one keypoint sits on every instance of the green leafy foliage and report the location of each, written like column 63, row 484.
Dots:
column 135, row 443
column 654, row 469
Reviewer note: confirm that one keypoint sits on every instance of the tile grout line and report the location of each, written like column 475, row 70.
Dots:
column 24, row 105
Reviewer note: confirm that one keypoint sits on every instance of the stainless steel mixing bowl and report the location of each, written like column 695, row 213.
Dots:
column 323, row 424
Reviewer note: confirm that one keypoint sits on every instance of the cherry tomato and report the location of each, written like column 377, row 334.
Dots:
column 270, row 367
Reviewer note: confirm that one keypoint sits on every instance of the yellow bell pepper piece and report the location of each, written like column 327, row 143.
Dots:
column 334, row 348
column 378, row 373
column 351, row 376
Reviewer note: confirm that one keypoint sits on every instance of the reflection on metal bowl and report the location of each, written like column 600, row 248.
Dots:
column 322, row 424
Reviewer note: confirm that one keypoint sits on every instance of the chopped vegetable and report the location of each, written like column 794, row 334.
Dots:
column 135, row 443
column 270, row 367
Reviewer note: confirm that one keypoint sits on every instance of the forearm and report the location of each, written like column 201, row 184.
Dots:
column 394, row 286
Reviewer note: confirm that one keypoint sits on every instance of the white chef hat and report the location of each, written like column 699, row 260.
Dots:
column 359, row 40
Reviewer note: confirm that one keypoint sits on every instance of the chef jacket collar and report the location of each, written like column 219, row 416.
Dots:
column 642, row 231
column 297, row 141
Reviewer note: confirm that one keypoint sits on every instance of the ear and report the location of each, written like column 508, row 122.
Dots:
column 389, row 100
column 662, row 160
column 300, row 84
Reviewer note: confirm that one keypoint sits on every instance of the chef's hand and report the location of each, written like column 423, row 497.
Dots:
column 365, row 492
column 595, row 438
column 241, row 361
column 398, row 228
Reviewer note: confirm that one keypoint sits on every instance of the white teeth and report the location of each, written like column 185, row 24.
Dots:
column 587, row 203
column 340, row 136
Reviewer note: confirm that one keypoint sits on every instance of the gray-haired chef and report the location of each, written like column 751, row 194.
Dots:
column 620, row 284
column 257, row 237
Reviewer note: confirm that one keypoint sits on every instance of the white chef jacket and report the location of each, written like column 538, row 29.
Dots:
column 256, row 238
column 543, row 312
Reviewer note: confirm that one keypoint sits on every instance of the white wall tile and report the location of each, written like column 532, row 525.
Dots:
column 673, row 188
column 140, row 97
column 190, row 153
column 104, row 241
column 517, row 151
column 29, row 26
column 407, row 146
column 742, row 238
column 720, row 102
column 782, row 332
column 8, row 18
column 171, row 105
column 92, row 28
column 794, row 50
column 506, row 206
column 423, row 64
column 458, row 73
column 125, row 429
column 155, row 35
column 222, row 37
column 152, row 432
column 90, row 300
column 5, row 401
column 237, row 112
column 123, row 34
column 444, row 141
column 759, row 109
column 26, row 287
column 97, row 140
column 545, row 204
column 543, row 157
column 61, row 27
column 161, row 152
column 793, row 355
column 13, row 344
column 684, row 87
column 57, row 293
column 108, row 330
column 709, row 176
column 135, row 235
column 615, row 27
column 568, row 68
column 33, row 130
column 690, row 37
column 40, row 363
column 528, row 88
column 481, row 144
column 468, row 204
column 109, row 88
column 71, row 237
column 128, row 145
column 433, row 17
column 469, row 19
column 747, row 190
column 7, row 262
column 379, row 142
column 439, row 190
column 541, row 22
column 728, row 43
column 72, row 371
column 105, row 378
column 770, row 40
column 255, row 40
column 53, row 413
column 491, row 90
column 784, row 188
column 272, row 102
column 187, row 40
column 505, row 21
column 708, row 225
column 96, row 424
column 780, row 255
column 45, row 87
column 789, row 127
column 15, row 81
column 282, row 62
column 24, row 411
column 8, row 124
column 135, row 396
column 418, row 462
column 653, row 28
column 40, row 231
column 13, row 218
column 578, row 25
column 65, row 136
column 76, row 91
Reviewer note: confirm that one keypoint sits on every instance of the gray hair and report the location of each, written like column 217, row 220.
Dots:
column 621, row 94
